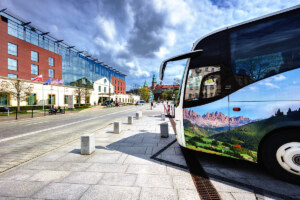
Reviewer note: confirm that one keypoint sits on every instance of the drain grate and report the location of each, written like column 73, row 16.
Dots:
column 204, row 187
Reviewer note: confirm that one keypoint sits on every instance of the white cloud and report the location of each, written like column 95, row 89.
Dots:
column 107, row 26
column 270, row 85
column 162, row 52
column 279, row 77
column 253, row 88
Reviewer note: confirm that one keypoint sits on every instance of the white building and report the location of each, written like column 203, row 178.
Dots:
column 61, row 95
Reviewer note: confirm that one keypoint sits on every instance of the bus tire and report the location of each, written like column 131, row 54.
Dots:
column 280, row 154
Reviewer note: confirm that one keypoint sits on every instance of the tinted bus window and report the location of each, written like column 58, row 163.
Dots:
column 265, row 49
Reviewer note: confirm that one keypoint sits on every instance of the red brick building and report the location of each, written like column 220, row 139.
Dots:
column 119, row 85
column 22, row 57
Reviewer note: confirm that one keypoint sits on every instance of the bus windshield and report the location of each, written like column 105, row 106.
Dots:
column 202, row 82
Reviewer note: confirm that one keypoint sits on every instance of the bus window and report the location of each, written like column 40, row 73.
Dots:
column 194, row 79
column 265, row 49
column 211, row 86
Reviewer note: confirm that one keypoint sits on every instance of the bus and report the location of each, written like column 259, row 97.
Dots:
column 240, row 93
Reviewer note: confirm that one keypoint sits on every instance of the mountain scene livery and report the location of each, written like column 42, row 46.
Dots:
column 241, row 141
column 215, row 119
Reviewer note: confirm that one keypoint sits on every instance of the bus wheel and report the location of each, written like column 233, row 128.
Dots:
column 281, row 155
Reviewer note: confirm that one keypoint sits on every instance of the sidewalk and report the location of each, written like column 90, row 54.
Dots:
column 120, row 168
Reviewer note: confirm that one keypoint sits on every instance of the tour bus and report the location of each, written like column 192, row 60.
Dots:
column 240, row 93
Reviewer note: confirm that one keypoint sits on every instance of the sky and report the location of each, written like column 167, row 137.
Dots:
column 135, row 36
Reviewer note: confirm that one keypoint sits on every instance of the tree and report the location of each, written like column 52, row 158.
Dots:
column 18, row 89
column 86, row 94
column 176, row 81
column 144, row 93
column 214, row 143
column 79, row 93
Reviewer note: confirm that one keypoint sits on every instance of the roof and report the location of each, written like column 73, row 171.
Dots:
column 166, row 86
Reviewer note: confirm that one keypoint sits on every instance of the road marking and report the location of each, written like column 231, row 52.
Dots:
column 56, row 127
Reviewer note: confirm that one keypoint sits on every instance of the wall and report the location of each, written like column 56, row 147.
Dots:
column 24, row 57
column 120, row 85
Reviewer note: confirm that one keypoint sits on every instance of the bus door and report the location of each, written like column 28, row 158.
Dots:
column 205, row 114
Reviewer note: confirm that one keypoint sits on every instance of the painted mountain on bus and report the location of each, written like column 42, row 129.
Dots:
column 214, row 119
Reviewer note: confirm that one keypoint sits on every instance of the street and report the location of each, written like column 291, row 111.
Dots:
column 23, row 140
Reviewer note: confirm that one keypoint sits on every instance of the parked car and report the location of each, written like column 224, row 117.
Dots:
column 106, row 103
column 140, row 102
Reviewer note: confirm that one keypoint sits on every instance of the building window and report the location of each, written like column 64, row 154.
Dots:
column 31, row 99
column 51, row 99
column 12, row 49
column 104, row 80
column 4, row 98
column 12, row 76
column 115, row 81
column 66, row 99
column 34, row 56
column 34, row 69
column 12, row 64
column 51, row 73
column 99, row 88
column 51, row 61
column 104, row 89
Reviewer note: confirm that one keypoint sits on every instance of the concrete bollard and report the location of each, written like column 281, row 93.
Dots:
column 87, row 144
column 130, row 120
column 164, row 130
column 163, row 117
column 117, row 127
column 138, row 115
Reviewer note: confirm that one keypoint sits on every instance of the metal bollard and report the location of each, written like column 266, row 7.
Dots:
column 130, row 120
column 163, row 117
column 164, row 130
column 117, row 127
column 87, row 144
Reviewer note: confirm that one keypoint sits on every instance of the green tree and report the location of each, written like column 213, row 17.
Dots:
column 214, row 143
column 144, row 93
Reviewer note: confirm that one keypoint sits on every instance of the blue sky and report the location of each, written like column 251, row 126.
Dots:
column 135, row 36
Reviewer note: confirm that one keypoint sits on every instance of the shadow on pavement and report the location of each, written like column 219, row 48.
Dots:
column 235, row 174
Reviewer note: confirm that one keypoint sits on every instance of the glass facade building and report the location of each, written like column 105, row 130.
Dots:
column 77, row 66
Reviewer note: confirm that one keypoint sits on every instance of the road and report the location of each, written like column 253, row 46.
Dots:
column 26, row 139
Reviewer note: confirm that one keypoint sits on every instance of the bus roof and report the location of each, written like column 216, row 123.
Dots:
column 246, row 22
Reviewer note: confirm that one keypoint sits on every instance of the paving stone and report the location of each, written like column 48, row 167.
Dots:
column 104, row 167
column 71, row 166
column 158, row 193
column 118, row 179
column 19, row 188
column 43, row 165
column 138, row 159
column 83, row 177
column 147, row 169
column 73, row 157
column 183, row 182
column 189, row 195
column 225, row 187
column 20, row 174
column 158, row 181
column 133, row 150
column 248, row 196
column 226, row 196
column 172, row 170
column 62, row 191
column 104, row 158
column 101, row 192
column 47, row 175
